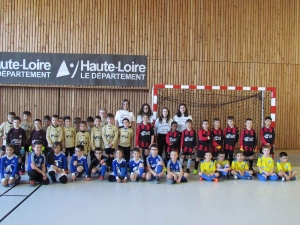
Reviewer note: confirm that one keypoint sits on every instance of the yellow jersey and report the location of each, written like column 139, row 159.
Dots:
column 239, row 165
column 83, row 138
column 222, row 163
column 265, row 163
column 96, row 138
column 207, row 167
column 110, row 134
column 54, row 134
column 125, row 137
column 285, row 167
column 70, row 135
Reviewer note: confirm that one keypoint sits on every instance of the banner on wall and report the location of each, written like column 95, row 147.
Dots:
column 73, row 69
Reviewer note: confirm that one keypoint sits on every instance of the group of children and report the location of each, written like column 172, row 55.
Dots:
column 96, row 136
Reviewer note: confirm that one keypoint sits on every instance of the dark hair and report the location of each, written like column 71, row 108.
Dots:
column 230, row 118
column 145, row 114
column 189, row 121
column 174, row 122
column 37, row 120
column 67, row 118
column 216, row 119
column 37, row 143
column 80, row 147
column 125, row 100
column 50, row 156
column 221, row 153
column 186, row 110
column 266, row 146
column 10, row 146
column 17, row 118
column 55, row 116
column 154, row 146
column 283, row 154
column 120, row 150
column 27, row 113
column 83, row 122
column 161, row 115
column 97, row 117
column 11, row 114
column 60, row 118
column 173, row 150
column 89, row 119
column 98, row 149
column 204, row 121
column 248, row 119
column 47, row 117
column 136, row 150
column 77, row 120
column 149, row 113
column 240, row 152
column 268, row 118
column 208, row 152
column 125, row 119
column 110, row 115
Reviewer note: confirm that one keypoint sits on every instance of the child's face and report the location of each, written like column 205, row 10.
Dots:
column 284, row 159
column 165, row 112
column 57, row 149
column 38, row 149
column 54, row 121
column 174, row 126
column 46, row 123
column 102, row 113
column 182, row 109
column 78, row 152
column 153, row 151
column 26, row 117
column 217, row 124
column 97, row 122
column 208, row 156
column 119, row 154
column 82, row 127
column 268, row 123
column 68, row 123
column 9, row 151
column 230, row 123
column 189, row 126
column 98, row 154
column 136, row 154
column 126, row 123
column 16, row 123
column 174, row 156
column 266, row 151
column 248, row 124
column 37, row 125
column 10, row 118
column 221, row 157
column 239, row 157
column 205, row 125
column 60, row 122
column 145, row 119
column 110, row 121
column 125, row 106
column 90, row 124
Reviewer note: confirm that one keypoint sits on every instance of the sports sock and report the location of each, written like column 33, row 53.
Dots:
column 250, row 164
column 103, row 169
column 141, row 170
column 196, row 165
column 181, row 161
column 189, row 163
column 159, row 168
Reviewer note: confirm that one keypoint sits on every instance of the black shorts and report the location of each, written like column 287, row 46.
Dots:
column 200, row 154
column 70, row 150
column 109, row 151
column 187, row 153
column 271, row 151
column 248, row 153
column 214, row 154
column 228, row 151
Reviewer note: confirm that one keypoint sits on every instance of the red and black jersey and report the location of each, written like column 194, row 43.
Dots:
column 144, row 134
column 188, row 140
column 17, row 138
column 267, row 135
column 248, row 140
column 37, row 135
column 231, row 137
column 173, row 137
column 216, row 139
column 203, row 140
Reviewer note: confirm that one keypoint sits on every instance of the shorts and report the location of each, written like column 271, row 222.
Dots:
column 200, row 154
column 136, row 172
column 70, row 150
column 109, row 151
column 8, row 176
column 57, row 175
column 271, row 150
column 248, row 153
column 214, row 154
column 187, row 153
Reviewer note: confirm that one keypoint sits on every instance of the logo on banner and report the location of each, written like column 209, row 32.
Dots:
column 64, row 70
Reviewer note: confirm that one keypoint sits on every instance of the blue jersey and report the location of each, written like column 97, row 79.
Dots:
column 38, row 161
column 152, row 161
column 9, row 166
column 116, row 165
column 60, row 161
column 134, row 165
column 174, row 167
column 82, row 161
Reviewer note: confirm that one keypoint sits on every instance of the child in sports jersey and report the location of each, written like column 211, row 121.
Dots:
column 96, row 137
column 267, row 135
column 222, row 165
column 208, row 169
column 54, row 132
column 240, row 168
column 69, row 137
column 78, row 163
column 102, row 114
column 144, row 137
column 57, row 164
column 174, row 170
column 83, row 138
column 37, row 165
column 17, row 137
column 90, row 123
column 216, row 138
column 265, row 164
column 119, row 173
column 61, row 122
column 38, row 134
column 4, row 128
column 136, row 166
column 110, row 135
column 231, row 137
column 155, row 165
column 248, row 142
column 284, row 168
column 9, row 167
column 98, row 165
column 76, row 123
column 188, row 144
column 47, row 122
column 173, row 139
column 203, row 143
column 125, row 139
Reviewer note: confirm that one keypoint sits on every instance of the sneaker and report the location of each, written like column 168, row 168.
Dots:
column 31, row 183
column 21, row 172
column 230, row 177
column 195, row 172
column 101, row 177
column 187, row 170
column 235, row 177
column 142, row 179
column 53, row 179
column 157, row 180
column 215, row 180
column 200, row 178
column 282, row 179
column 250, row 177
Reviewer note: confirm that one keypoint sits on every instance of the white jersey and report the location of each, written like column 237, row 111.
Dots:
column 163, row 127
column 181, row 122
column 122, row 114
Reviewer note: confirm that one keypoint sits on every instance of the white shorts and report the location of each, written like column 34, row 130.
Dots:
column 119, row 174
column 57, row 175
column 7, row 176
column 177, row 173
column 136, row 172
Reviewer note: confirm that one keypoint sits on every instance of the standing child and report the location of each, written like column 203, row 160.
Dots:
column 57, row 164
column 69, row 138
column 231, row 137
column 208, row 169
column 136, row 166
column 222, row 165
column 47, row 122
column 37, row 165
column 248, row 142
column 125, row 138
column 96, row 137
column 110, row 139
column 83, row 138
column 144, row 137
column 155, row 165
column 203, row 143
column 174, row 170
column 188, row 144
column 98, row 165
column 102, row 114
column 54, row 133
column 119, row 173
column 265, row 164
column 216, row 138
column 17, row 137
column 4, row 128
column 9, row 167
column 78, row 163
column 90, row 123
column 76, row 123
column 61, row 122
column 240, row 168
column 173, row 139
column 267, row 135
column 38, row 134
column 284, row 168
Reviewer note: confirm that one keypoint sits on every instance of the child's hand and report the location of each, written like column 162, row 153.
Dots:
column 178, row 180
column 75, row 163
column 109, row 145
column 88, row 179
column 44, row 176
column 218, row 165
column 175, row 177
column 101, row 162
column 181, row 150
column 73, row 177
column 242, row 173
column 267, row 173
column 118, row 180
column 124, row 180
column 4, row 182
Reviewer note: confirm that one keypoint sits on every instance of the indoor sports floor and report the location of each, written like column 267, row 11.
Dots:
column 195, row 202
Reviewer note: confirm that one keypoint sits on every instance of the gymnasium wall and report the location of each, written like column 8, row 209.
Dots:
column 202, row 42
